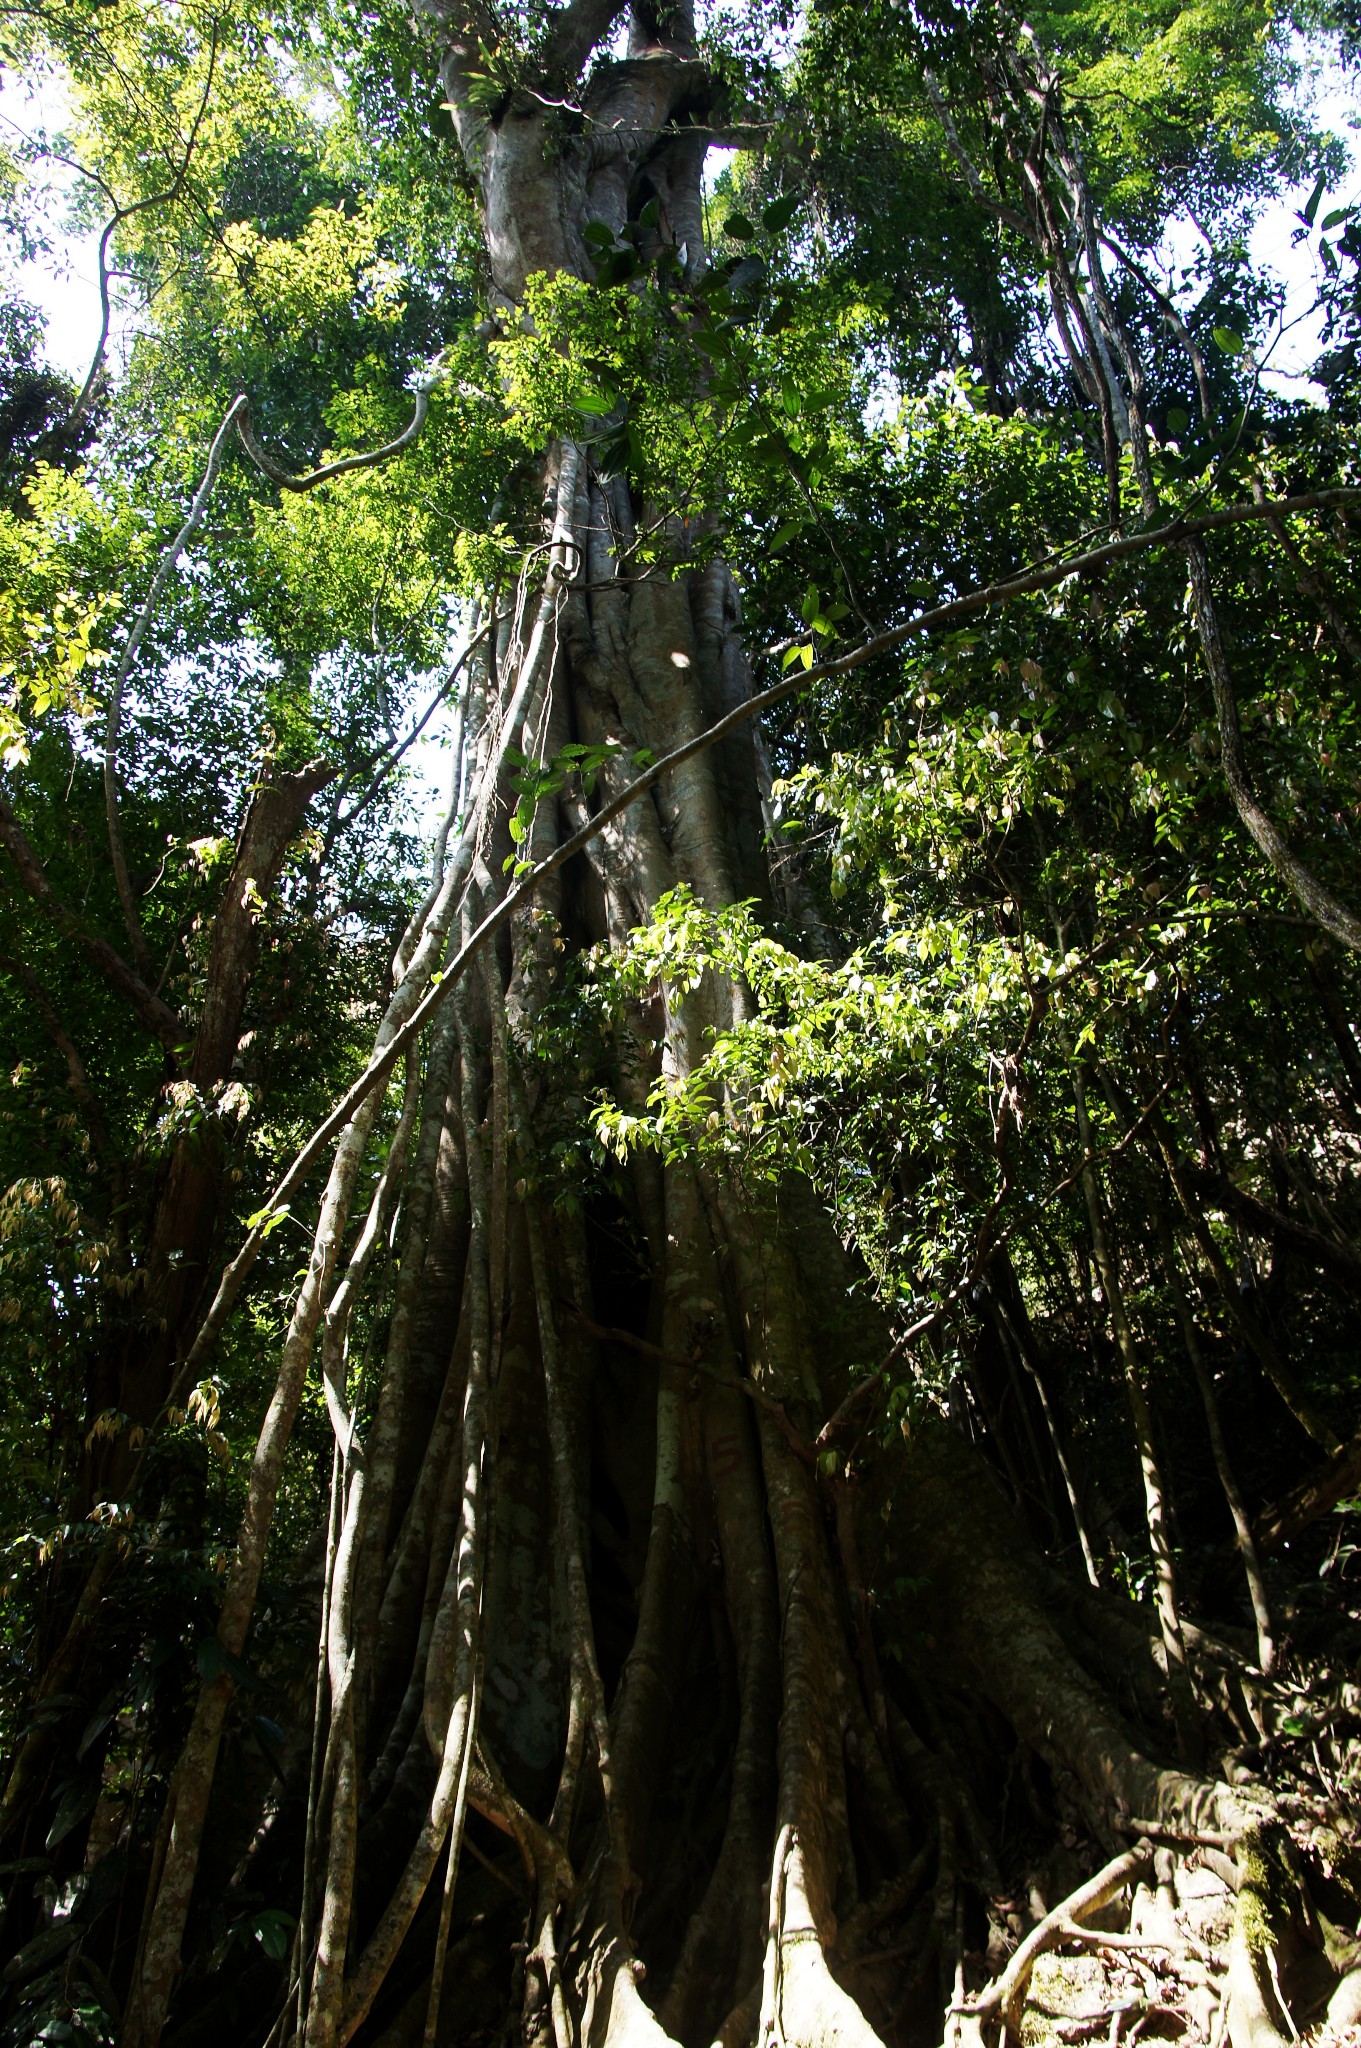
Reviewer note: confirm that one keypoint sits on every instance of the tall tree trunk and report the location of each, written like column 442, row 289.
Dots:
column 581, row 1551
column 642, row 661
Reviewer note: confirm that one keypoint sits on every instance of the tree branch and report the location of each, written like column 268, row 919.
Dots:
column 152, row 1014
column 114, row 716
column 275, row 813
column 126, row 213
column 575, row 32
column 240, row 413
column 1261, row 826
column 77, row 1079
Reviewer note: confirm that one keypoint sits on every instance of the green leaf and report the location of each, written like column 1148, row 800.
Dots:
column 613, row 450
column 268, row 1218
column 273, row 1929
column 1231, row 343
column 748, row 276
column 739, row 228
column 780, row 212
column 484, row 92
column 1178, row 419
column 1311, row 205
column 210, row 1657
column 617, row 268
column 1336, row 217
column 76, row 1801
column 93, row 1730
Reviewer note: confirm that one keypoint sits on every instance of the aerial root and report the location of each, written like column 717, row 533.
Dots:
column 1256, row 2012
column 1209, row 1943
column 615, row 2013
column 1007, row 1995
column 802, row 2004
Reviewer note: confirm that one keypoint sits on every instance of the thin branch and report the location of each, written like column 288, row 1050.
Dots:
column 1335, row 1254
column 1173, row 319
column 152, row 1014
column 127, row 213
column 1261, row 826
column 288, row 482
column 1313, row 584
column 972, row 176
column 383, row 764
column 1007, row 1995
column 77, row 1079
column 114, row 716
column 1172, row 1831
column 238, row 416
column 1056, row 569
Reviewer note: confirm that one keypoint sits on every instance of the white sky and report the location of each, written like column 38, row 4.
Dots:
column 64, row 286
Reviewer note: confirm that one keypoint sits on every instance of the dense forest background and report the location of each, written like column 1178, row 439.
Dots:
column 707, row 1394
